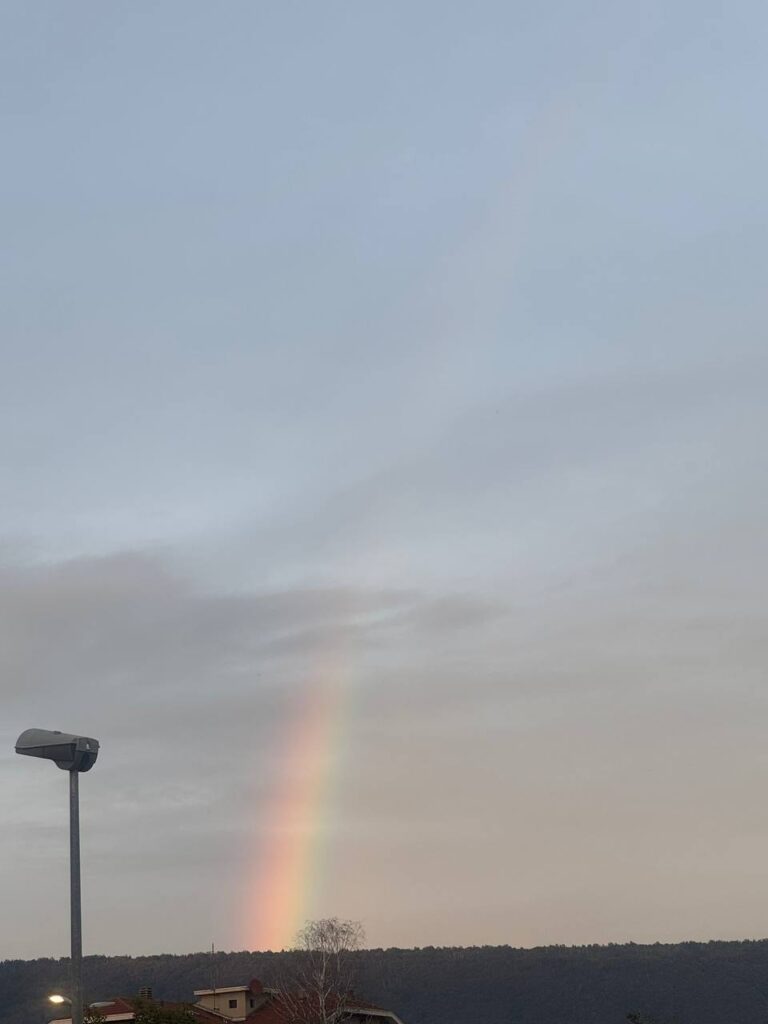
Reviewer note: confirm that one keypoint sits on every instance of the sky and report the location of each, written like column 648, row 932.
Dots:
column 383, row 470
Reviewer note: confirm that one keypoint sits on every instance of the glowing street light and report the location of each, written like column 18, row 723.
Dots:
column 73, row 754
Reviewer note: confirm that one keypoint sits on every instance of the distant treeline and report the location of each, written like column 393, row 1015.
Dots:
column 687, row 983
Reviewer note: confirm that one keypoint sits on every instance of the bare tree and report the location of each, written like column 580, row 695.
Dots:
column 318, row 987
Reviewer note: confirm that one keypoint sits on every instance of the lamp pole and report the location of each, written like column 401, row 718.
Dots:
column 74, row 754
column 76, row 921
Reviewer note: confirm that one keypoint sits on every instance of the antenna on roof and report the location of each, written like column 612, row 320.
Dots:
column 213, row 977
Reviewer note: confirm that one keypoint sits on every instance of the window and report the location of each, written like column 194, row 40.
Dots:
column 252, row 1002
column 233, row 1004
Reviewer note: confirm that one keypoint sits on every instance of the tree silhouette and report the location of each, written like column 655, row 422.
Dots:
column 317, row 988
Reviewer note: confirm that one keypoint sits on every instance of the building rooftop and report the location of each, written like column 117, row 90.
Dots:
column 220, row 991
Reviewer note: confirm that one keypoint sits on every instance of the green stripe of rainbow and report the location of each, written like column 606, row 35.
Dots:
column 297, row 821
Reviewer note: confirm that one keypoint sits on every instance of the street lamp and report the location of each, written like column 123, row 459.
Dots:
column 59, row 1000
column 73, row 754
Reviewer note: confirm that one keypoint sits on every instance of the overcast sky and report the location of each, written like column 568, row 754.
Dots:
column 412, row 353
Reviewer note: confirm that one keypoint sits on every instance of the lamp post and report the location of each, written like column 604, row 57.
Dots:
column 73, row 754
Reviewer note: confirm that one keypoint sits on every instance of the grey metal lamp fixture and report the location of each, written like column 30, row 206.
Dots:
column 70, row 753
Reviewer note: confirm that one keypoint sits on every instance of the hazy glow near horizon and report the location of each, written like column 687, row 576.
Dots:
column 383, row 479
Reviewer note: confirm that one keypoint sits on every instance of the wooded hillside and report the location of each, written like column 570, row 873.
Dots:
column 692, row 983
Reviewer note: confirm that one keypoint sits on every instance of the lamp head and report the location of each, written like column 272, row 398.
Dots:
column 68, row 752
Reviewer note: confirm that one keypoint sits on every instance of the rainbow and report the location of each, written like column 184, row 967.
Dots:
column 290, row 868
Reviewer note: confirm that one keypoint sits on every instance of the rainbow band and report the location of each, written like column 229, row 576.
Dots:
column 296, row 821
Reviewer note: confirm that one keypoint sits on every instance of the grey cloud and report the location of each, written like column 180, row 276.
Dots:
column 165, row 672
column 126, row 620
column 453, row 612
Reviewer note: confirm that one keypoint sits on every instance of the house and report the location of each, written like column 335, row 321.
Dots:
column 252, row 1004
column 255, row 1004
column 235, row 1002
